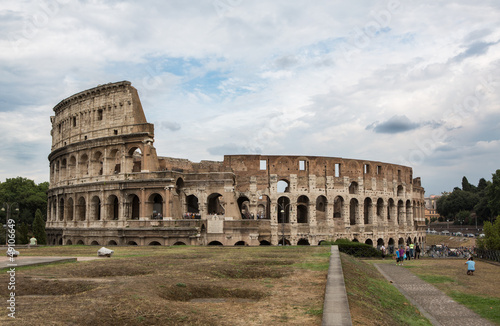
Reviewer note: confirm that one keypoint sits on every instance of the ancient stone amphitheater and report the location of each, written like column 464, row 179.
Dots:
column 108, row 186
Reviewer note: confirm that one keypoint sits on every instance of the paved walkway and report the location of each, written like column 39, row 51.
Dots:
column 37, row 260
column 432, row 303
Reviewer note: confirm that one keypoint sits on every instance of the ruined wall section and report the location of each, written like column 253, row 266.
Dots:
column 104, row 111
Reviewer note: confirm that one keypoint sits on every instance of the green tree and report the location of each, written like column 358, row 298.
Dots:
column 39, row 228
column 466, row 186
column 28, row 195
column 449, row 205
column 23, row 234
column 491, row 241
column 493, row 191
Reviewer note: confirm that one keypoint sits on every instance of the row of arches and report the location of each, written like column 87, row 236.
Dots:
column 100, row 162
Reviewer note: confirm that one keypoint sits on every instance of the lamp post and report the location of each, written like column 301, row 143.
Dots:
column 7, row 207
column 283, row 209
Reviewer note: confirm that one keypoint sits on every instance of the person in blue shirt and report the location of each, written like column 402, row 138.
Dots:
column 471, row 266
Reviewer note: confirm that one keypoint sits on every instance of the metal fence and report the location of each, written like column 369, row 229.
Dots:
column 493, row 255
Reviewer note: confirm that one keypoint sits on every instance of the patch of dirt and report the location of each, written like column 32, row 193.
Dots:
column 268, row 262
column 249, row 272
column 28, row 286
column 187, row 292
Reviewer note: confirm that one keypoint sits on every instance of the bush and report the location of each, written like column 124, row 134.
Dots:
column 355, row 249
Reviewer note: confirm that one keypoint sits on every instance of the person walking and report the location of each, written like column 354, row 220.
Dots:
column 401, row 254
column 397, row 257
column 412, row 252
column 382, row 249
column 417, row 251
column 407, row 252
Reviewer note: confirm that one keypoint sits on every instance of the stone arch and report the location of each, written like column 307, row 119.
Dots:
column 321, row 205
column 134, row 205
column 132, row 243
column 94, row 243
column 97, row 164
column 303, row 242
column 240, row 243
column 215, row 243
column 369, row 242
column 192, row 204
column 408, row 212
column 380, row 243
column 69, row 242
column 338, row 207
column 69, row 209
column 283, row 185
column 368, row 211
column 214, row 205
column 353, row 188
column 64, row 171
column 60, row 210
column 401, row 242
column 390, row 209
column 83, row 166
column 264, row 243
column 81, row 209
column 283, row 242
column 303, row 209
column 353, row 211
column 400, row 211
column 114, row 161
column 400, row 191
column 112, row 243
column 95, row 208
column 155, row 206
column 264, row 207
column 380, row 209
column 283, row 209
column 154, row 243
column 244, row 207
column 72, row 167
column 113, row 207
column 80, row 242
column 355, row 240
column 134, row 159
column 390, row 245
column 179, row 243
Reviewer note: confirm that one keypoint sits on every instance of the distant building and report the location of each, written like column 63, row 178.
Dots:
column 430, row 207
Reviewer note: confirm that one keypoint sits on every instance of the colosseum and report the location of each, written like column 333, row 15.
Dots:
column 108, row 186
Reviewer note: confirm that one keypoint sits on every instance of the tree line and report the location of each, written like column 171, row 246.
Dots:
column 27, row 205
column 465, row 205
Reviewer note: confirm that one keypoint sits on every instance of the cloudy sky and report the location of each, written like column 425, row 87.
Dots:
column 413, row 83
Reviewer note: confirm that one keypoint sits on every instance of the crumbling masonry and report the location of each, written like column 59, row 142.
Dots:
column 108, row 186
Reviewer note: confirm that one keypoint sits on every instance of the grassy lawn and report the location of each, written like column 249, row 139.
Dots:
column 199, row 286
column 480, row 293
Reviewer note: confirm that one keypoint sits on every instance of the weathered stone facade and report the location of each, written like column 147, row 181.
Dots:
column 108, row 186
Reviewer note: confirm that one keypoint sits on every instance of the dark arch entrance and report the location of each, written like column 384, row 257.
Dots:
column 303, row 242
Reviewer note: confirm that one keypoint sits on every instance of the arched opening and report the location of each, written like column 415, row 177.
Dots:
column 400, row 191
column 94, row 243
column 303, row 242
column 264, row 243
column 157, row 206
column 83, row 165
column 338, row 207
column 240, row 243
column 391, row 245
column 132, row 243
column 353, row 188
column 401, row 242
column 154, row 243
column 135, row 156
column 321, row 204
column 380, row 209
column 283, row 186
column 61, row 209
column 284, row 242
column 135, row 207
column 214, row 205
column 353, row 211
column 390, row 210
column 283, row 210
column 263, row 207
column 112, row 243
column 215, row 243
column 192, row 204
column 380, row 243
column 321, row 242
column 63, row 169
column 408, row 241
column 81, row 209
column 95, row 208
column 369, row 242
column 80, row 242
column 400, row 212
column 408, row 213
column 72, row 167
column 69, row 209
column 302, row 209
column 244, row 207
column 69, row 242
column 114, row 160
column 113, row 206
column 179, row 243
column 367, row 211
column 97, row 164
column 355, row 240
column 60, row 241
